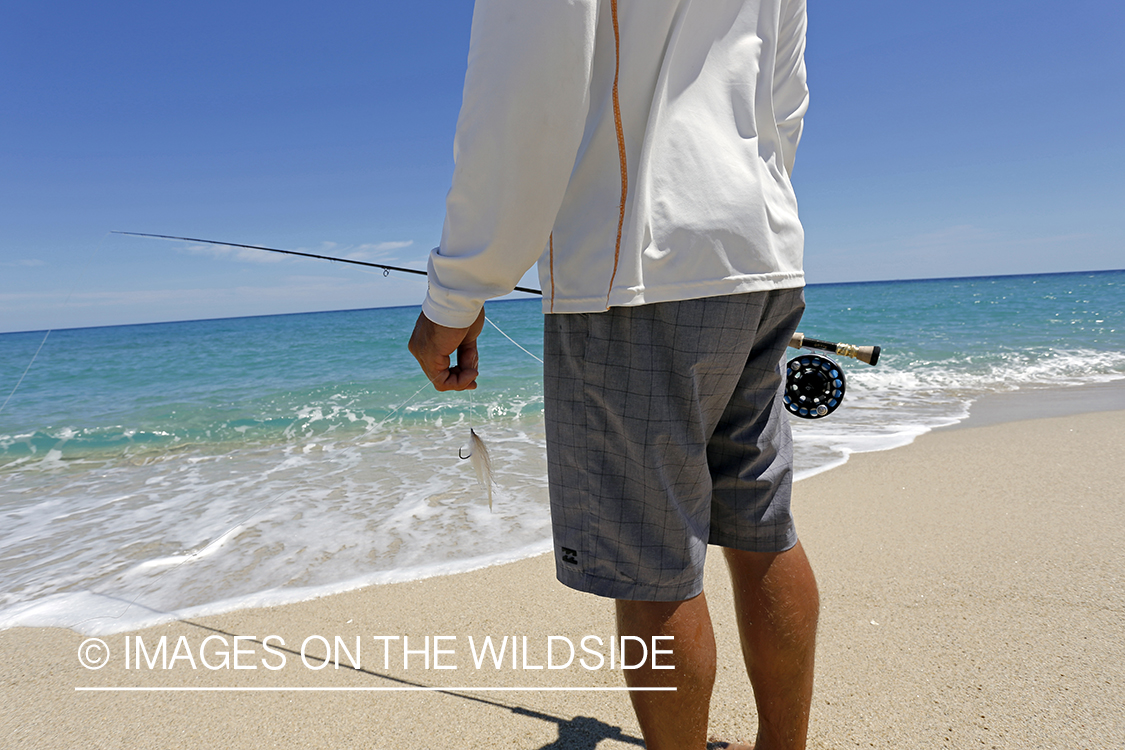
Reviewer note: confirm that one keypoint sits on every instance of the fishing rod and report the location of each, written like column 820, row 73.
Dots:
column 385, row 268
column 814, row 385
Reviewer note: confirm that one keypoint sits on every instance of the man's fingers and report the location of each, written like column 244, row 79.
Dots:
column 454, row 378
column 436, row 371
column 432, row 345
column 468, row 358
column 457, row 379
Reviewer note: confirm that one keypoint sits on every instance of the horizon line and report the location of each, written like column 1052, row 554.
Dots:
column 506, row 298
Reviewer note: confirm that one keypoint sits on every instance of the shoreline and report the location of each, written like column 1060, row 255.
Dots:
column 1042, row 403
column 971, row 593
column 989, row 409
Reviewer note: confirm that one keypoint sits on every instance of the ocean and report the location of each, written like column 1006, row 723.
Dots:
column 169, row 470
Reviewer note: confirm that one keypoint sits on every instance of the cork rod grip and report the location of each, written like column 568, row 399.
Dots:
column 868, row 354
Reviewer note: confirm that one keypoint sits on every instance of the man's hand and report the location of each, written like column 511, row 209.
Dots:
column 432, row 344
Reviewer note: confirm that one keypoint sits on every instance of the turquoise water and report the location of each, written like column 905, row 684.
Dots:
column 135, row 390
column 199, row 466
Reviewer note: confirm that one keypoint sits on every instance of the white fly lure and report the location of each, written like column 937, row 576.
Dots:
column 482, row 464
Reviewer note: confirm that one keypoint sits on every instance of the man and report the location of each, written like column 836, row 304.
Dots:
column 640, row 151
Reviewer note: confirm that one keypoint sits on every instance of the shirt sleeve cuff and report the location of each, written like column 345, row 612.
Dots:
column 450, row 312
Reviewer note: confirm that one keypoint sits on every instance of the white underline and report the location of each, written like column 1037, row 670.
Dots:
column 367, row 689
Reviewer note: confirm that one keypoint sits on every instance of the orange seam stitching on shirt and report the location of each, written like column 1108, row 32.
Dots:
column 620, row 148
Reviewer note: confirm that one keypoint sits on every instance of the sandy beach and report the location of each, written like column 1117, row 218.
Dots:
column 972, row 596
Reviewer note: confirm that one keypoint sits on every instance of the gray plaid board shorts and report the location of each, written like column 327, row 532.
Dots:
column 666, row 433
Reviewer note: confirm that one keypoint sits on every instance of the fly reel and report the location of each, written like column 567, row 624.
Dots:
column 814, row 386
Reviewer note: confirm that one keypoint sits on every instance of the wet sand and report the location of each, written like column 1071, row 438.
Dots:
column 973, row 595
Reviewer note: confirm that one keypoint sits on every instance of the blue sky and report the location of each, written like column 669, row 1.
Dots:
column 943, row 139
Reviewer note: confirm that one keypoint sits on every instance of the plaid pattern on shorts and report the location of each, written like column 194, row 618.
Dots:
column 666, row 432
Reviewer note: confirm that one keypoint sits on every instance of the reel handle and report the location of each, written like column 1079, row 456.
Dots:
column 868, row 354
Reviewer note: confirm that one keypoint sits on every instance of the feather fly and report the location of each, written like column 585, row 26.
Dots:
column 482, row 464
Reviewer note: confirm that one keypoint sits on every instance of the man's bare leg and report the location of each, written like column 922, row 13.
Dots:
column 671, row 720
column 777, row 605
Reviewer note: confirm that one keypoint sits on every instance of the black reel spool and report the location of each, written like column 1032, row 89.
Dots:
column 814, row 386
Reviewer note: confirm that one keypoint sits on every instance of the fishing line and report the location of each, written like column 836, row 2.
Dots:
column 525, row 351
column 193, row 556
column 270, row 502
column 26, row 370
column 188, row 558
column 809, row 399
column 478, row 452
column 821, row 389
column 478, row 455
column 66, row 302
column 404, row 403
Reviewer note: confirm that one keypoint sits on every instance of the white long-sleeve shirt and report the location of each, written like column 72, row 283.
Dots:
column 639, row 150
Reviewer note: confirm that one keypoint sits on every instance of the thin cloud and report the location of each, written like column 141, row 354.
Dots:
column 226, row 252
column 367, row 251
column 322, row 290
column 394, row 245
column 377, row 250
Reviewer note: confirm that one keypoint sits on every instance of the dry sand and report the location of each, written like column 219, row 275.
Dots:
column 972, row 596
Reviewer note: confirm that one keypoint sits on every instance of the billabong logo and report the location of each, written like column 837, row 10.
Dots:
column 569, row 556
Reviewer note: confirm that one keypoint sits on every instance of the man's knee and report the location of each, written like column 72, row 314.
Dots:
column 775, row 580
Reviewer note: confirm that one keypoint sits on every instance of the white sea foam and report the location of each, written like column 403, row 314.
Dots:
column 326, row 493
column 191, row 533
column 209, row 549
column 99, row 614
column 124, row 547
column 887, row 406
